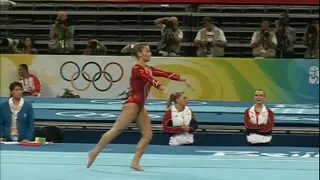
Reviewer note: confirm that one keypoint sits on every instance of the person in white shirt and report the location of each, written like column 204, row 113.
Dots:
column 210, row 40
column 264, row 42
column 179, row 121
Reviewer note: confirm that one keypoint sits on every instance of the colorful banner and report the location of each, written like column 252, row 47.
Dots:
column 227, row 79
column 272, row 2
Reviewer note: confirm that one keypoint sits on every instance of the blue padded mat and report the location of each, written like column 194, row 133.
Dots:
column 68, row 161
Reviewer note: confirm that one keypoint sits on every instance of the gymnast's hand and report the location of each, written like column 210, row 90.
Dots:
column 24, row 141
column 188, row 84
column 185, row 128
column 2, row 140
column 164, row 91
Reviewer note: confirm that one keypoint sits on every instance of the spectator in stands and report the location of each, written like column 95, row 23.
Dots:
column 61, row 35
column 171, row 36
column 31, row 84
column 264, row 42
column 311, row 40
column 28, row 47
column 259, row 121
column 95, row 47
column 179, row 120
column 286, row 37
column 16, row 117
column 210, row 40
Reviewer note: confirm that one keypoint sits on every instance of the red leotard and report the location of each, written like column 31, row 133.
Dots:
column 141, row 81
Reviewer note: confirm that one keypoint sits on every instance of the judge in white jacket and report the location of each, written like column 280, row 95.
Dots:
column 179, row 120
column 259, row 121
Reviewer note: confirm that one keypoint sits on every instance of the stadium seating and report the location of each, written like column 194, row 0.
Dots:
column 119, row 24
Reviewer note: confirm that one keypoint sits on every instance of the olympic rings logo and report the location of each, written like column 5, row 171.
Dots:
column 85, row 75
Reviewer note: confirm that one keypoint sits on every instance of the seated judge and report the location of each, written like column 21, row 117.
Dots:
column 179, row 121
column 259, row 121
column 16, row 117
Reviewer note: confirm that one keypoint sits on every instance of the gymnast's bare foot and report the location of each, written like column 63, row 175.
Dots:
column 136, row 167
column 91, row 157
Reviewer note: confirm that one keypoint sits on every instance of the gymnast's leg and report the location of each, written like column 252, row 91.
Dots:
column 144, row 125
column 128, row 114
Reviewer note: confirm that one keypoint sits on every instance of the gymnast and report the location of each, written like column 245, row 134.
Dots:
column 133, row 109
column 259, row 121
column 179, row 121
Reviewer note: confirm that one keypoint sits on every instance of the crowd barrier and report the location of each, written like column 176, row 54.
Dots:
column 217, row 79
column 201, row 138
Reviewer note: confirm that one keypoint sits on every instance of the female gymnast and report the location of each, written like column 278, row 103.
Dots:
column 179, row 121
column 133, row 108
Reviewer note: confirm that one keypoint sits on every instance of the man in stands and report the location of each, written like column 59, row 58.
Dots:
column 264, row 42
column 210, row 40
column 31, row 84
column 61, row 35
column 95, row 47
column 311, row 40
column 286, row 37
column 259, row 121
column 171, row 36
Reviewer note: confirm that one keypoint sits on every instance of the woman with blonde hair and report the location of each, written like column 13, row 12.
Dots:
column 179, row 121
column 133, row 109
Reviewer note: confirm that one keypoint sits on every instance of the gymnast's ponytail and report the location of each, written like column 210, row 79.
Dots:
column 171, row 99
column 133, row 49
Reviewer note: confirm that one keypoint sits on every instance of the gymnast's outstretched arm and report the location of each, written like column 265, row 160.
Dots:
column 169, row 75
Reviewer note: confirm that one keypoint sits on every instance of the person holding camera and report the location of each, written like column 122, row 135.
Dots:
column 264, row 42
column 27, row 47
column 171, row 36
column 286, row 37
column 210, row 40
column 95, row 47
column 311, row 40
column 16, row 46
column 61, row 35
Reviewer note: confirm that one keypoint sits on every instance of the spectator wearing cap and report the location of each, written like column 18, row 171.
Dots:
column 210, row 40
column 171, row 36
column 61, row 35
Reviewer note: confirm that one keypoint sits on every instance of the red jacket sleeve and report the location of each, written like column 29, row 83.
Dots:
column 139, row 71
column 247, row 122
column 263, row 127
column 269, row 126
column 167, row 124
column 169, row 75
column 37, row 84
